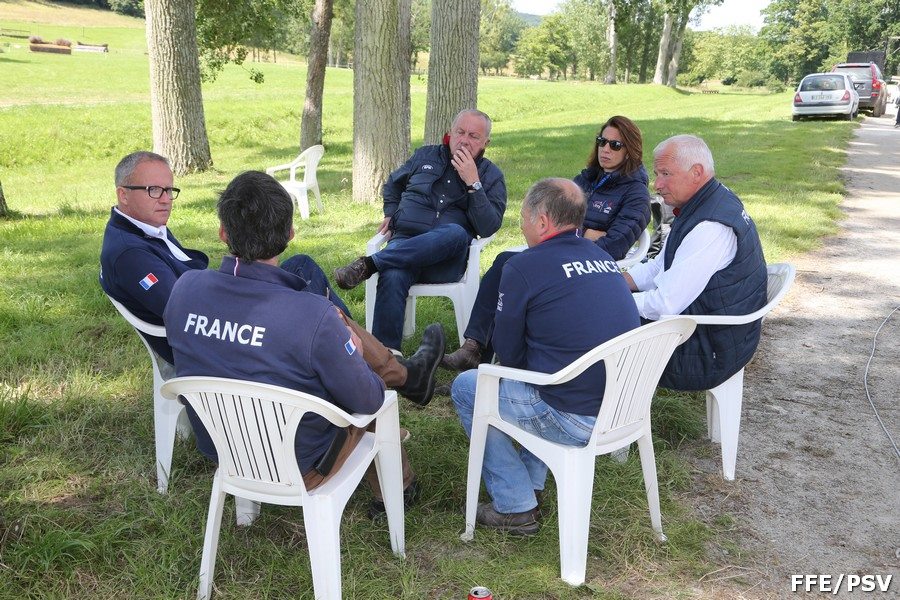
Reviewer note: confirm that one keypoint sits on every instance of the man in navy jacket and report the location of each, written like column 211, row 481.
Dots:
column 558, row 299
column 141, row 260
column 254, row 321
column 434, row 205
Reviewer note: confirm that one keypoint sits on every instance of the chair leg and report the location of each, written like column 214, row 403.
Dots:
column 166, row 417
column 712, row 418
column 322, row 523
column 574, row 487
column 318, row 199
column 728, row 398
column 390, row 479
column 302, row 203
column 246, row 511
column 648, row 466
column 477, row 443
column 409, row 318
column 183, row 427
column 371, row 292
column 211, row 539
column 461, row 311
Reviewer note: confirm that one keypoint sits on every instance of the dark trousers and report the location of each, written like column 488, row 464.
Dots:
column 437, row 256
column 481, row 321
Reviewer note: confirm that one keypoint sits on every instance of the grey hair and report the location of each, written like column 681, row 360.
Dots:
column 477, row 113
column 560, row 199
column 127, row 165
column 689, row 150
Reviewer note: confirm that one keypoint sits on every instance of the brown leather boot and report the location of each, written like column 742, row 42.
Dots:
column 467, row 357
column 350, row 276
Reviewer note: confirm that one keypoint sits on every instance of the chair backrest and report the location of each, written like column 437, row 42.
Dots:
column 253, row 426
column 140, row 325
column 311, row 156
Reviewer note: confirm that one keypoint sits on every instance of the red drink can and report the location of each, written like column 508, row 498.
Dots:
column 480, row 593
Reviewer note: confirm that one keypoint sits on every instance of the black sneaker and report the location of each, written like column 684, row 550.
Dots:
column 422, row 366
column 410, row 497
column 523, row 523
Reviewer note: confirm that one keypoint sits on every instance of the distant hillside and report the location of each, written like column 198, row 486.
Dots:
column 530, row 20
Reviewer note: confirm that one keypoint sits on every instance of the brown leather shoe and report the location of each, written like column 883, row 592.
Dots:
column 523, row 523
column 467, row 357
column 352, row 275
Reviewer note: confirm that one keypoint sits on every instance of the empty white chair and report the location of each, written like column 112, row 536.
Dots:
column 461, row 292
column 253, row 426
column 634, row 362
column 169, row 418
column 309, row 162
column 723, row 402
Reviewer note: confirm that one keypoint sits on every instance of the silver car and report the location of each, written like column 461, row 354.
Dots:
column 822, row 94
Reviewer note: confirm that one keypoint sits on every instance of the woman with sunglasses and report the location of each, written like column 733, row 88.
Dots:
column 618, row 210
column 615, row 183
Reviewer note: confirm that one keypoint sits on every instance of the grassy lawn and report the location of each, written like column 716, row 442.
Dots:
column 79, row 515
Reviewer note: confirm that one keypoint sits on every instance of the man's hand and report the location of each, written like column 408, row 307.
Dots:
column 593, row 234
column 464, row 164
column 383, row 228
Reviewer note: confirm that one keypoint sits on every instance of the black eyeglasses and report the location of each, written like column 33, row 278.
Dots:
column 616, row 145
column 155, row 191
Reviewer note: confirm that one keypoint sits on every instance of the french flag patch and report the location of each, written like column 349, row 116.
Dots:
column 148, row 281
column 350, row 347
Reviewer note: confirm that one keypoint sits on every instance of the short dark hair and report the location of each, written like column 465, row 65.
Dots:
column 560, row 199
column 125, row 168
column 256, row 214
column 631, row 137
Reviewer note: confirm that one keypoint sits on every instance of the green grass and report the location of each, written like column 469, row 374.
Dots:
column 80, row 516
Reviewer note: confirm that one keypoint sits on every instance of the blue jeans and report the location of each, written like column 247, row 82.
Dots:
column 308, row 270
column 481, row 321
column 436, row 256
column 511, row 476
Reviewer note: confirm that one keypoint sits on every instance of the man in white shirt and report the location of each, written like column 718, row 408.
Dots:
column 711, row 263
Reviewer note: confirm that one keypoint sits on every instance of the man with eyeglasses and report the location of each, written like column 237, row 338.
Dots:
column 141, row 260
column 711, row 263
column 435, row 204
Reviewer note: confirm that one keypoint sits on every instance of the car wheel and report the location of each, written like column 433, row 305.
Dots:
column 877, row 110
column 795, row 117
column 848, row 116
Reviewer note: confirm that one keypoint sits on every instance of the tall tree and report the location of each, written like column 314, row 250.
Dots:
column 380, row 94
column 583, row 19
column 501, row 27
column 311, row 122
column 663, row 56
column 176, row 103
column 677, row 15
column 453, row 64
column 611, row 41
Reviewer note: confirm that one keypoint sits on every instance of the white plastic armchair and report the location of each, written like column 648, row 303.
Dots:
column 169, row 418
column 723, row 402
column 309, row 162
column 634, row 362
column 253, row 426
column 462, row 293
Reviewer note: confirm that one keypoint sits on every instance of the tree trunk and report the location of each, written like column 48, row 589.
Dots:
column 663, row 57
column 645, row 52
column 611, row 42
column 452, row 65
column 4, row 209
column 380, row 94
column 176, row 103
column 311, row 123
column 677, row 39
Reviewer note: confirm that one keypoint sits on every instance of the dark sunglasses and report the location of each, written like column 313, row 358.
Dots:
column 616, row 145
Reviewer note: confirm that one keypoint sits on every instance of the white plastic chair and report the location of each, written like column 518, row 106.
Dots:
column 723, row 402
column 309, row 162
column 253, row 426
column 634, row 362
column 461, row 292
column 169, row 418
column 637, row 252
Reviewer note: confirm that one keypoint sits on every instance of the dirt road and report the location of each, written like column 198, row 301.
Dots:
column 818, row 480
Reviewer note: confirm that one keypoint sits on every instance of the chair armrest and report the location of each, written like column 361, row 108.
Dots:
column 375, row 243
column 521, row 248
column 721, row 319
column 643, row 246
column 273, row 170
column 362, row 421
column 522, row 375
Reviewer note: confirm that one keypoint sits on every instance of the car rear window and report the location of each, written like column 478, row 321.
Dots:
column 822, row 83
column 856, row 72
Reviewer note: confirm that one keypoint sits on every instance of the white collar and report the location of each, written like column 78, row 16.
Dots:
column 158, row 233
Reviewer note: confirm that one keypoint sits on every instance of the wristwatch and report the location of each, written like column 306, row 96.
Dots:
column 474, row 187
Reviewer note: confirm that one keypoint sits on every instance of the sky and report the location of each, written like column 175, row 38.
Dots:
column 731, row 12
